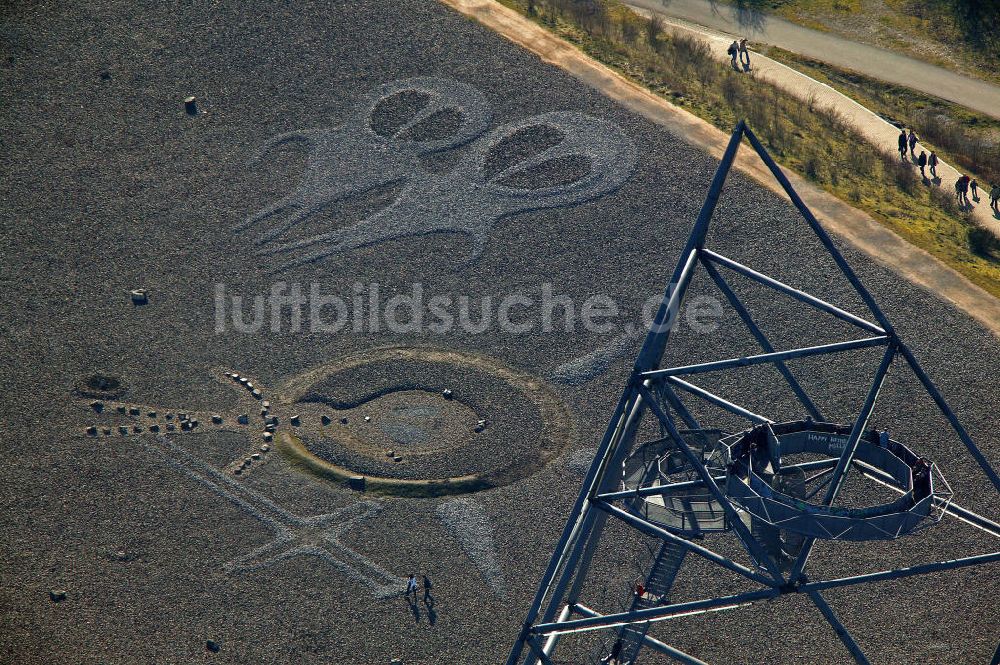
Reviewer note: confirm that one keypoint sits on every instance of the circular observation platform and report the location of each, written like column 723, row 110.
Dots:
column 754, row 471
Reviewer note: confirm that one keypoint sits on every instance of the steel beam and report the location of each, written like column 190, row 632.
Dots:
column 842, row 632
column 718, row 401
column 659, row 532
column 655, row 614
column 698, row 465
column 900, row 573
column 764, row 358
column 574, row 525
column 761, row 338
column 821, row 233
column 648, row 641
column 932, row 390
column 844, row 463
column 801, row 296
column 656, row 340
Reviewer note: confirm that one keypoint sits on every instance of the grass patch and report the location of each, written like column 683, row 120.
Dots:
column 806, row 138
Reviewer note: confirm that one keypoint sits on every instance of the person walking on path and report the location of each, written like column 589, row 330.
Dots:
column 932, row 162
column 995, row 197
column 411, row 587
column 733, row 52
column 744, row 53
column 428, row 598
column 962, row 189
column 902, row 145
column 912, row 140
column 974, row 186
column 922, row 162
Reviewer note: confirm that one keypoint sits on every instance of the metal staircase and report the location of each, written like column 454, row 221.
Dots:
column 658, row 583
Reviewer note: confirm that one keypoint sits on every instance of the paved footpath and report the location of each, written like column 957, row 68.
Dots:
column 867, row 123
column 875, row 62
column 850, row 224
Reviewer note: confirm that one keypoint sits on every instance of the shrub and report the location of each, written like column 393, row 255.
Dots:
column 654, row 28
column 983, row 242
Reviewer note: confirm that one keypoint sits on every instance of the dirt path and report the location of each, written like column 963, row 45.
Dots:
column 867, row 123
column 851, row 224
column 876, row 62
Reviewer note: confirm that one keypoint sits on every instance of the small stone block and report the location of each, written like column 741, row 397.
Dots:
column 256, row 393
column 216, row 418
column 397, row 458
column 121, row 408
column 134, row 411
column 325, row 420
column 151, row 414
column 343, row 421
column 295, row 420
column 139, row 296
column 122, row 430
column 107, row 431
column 368, row 419
column 171, row 427
column 243, row 419
column 264, row 448
column 356, row 483
column 154, row 428
column 265, row 404
column 268, row 436
column 447, row 394
column 92, row 430
column 97, row 405
column 137, row 429
column 57, row 595
column 211, row 645
column 255, row 456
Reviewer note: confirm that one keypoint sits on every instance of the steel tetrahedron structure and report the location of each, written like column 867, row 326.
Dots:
column 694, row 479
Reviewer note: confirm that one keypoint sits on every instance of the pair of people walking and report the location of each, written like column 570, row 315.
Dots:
column 412, row 587
column 962, row 190
column 739, row 49
column 907, row 144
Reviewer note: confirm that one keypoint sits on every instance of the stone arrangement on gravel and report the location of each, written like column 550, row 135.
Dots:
column 110, row 185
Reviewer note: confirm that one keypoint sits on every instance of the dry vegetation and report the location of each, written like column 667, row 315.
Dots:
column 811, row 140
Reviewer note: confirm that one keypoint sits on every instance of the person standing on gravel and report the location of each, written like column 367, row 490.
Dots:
column 922, row 162
column 974, row 186
column 744, row 53
column 995, row 197
column 428, row 598
column 902, row 145
column 932, row 162
column 411, row 587
column 912, row 141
